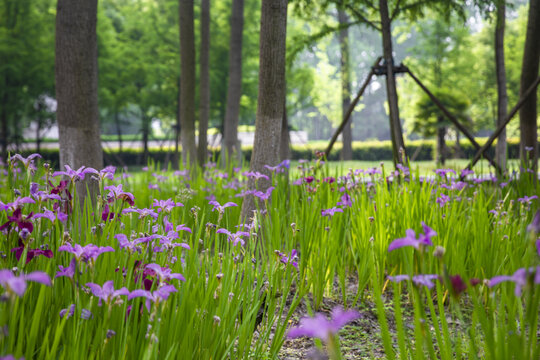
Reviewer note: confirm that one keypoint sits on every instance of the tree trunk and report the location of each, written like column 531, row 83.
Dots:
column 502, row 96
column 4, row 124
column 176, row 157
column 391, row 90
column 145, row 134
column 529, row 73
column 118, row 127
column 234, row 89
column 271, row 96
column 38, row 130
column 285, row 138
column 204, row 111
column 187, row 82
column 76, row 88
column 346, row 151
column 441, row 143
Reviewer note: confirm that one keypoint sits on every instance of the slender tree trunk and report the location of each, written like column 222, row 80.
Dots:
column 285, row 138
column 38, row 130
column 118, row 127
column 270, row 97
column 529, row 73
column 502, row 96
column 391, row 89
column 187, row 82
column 4, row 124
column 234, row 89
column 176, row 157
column 346, row 152
column 204, row 112
column 76, row 87
column 441, row 143
column 145, row 134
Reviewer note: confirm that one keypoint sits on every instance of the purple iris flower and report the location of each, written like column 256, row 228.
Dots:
column 373, row 171
column 255, row 175
column 165, row 205
column 10, row 357
column 42, row 195
column 534, row 226
column 527, row 199
column 17, row 203
column 160, row 178
column 221, row 208
column 117, row 192
column 331, row 212
column 107, row 292
column 68, row 271
column 285, row 259
column 520, row 278
column 163, row 273
column 411, row 240
column 182, row 227
column 320, row 327
column 460, row 185
column 123, row 242
column 31, row 253
column 76, row 175
column 142, row 212
column 264, row 195
column 466, row 172
column 279, row 168
column 443, row 172
column 346, row 201
column 107, row 173
column 21, row 221
column 156, row 297
column 442, row 200
column 107, row 214
column 69, row 311
column 17, row 284
column 405, row 170
column 420, row 280
column 235, row 238
column 167, row 240
column 48, row 214
column 25, row 161
column 88, row 252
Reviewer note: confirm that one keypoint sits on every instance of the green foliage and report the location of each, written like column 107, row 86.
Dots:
column 27, row 60
column 429, row 117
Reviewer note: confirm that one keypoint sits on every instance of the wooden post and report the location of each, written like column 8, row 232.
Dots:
column 499, row 129
column 351, row 108
column 453, row 119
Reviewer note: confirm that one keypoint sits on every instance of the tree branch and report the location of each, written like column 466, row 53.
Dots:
column 362, row 18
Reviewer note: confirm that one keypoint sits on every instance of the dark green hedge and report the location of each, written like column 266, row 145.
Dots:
column 368, row 151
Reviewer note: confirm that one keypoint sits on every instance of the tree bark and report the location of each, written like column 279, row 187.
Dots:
column 271, row 96
column 391, row 89
column 118, row 127
column 204, row 108
column 502, row 96
column 187, row 82
column 441, row 143
column 234, row 88
column 285, row 139
column 4, row 137
column 346, row 151
column 145, row 135
column 76, row 87
column 529, row 73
